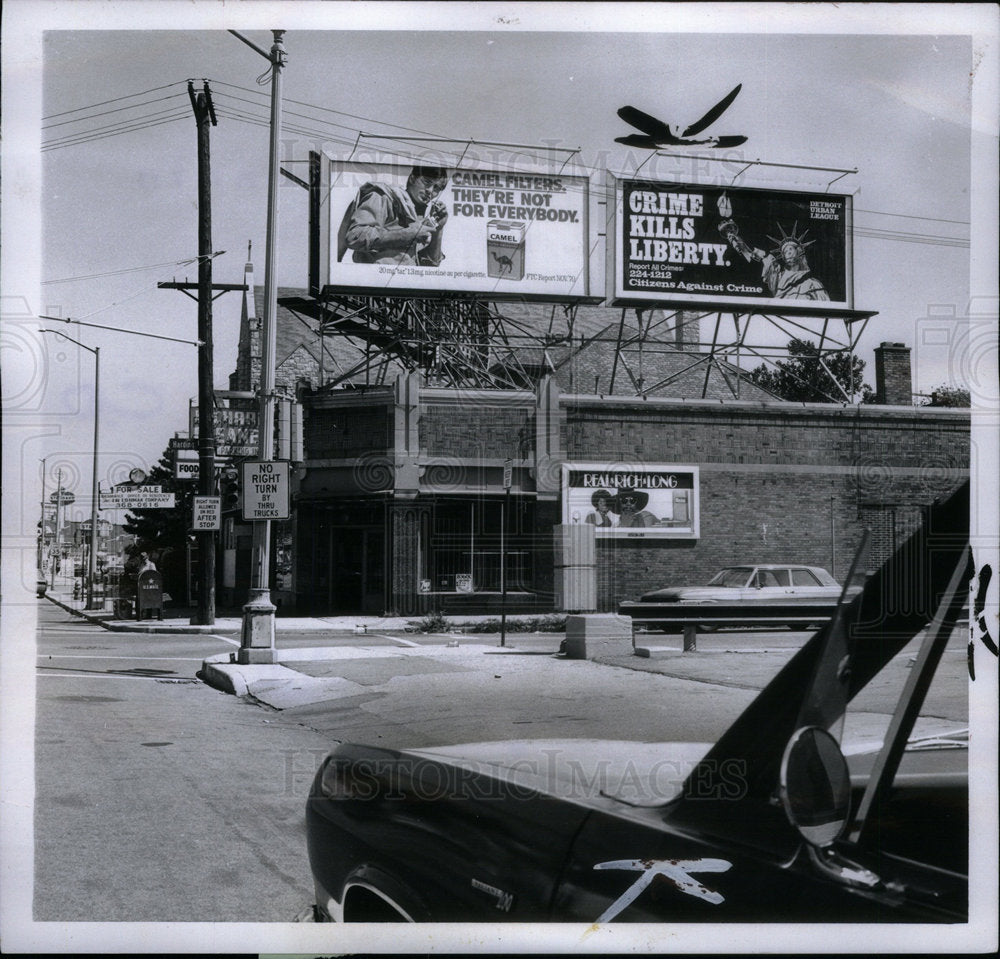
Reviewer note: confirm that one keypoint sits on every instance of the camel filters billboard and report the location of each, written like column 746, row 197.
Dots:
column 416, row 228
column 728, row 248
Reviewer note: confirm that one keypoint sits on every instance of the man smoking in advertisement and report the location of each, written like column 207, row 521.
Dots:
column 784, row 270
column 630, row 504
column 391, row 224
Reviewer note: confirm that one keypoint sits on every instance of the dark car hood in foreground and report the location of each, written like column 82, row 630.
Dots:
column 593, row 771
column 581, row 770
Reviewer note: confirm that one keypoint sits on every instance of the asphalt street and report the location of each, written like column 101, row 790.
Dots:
column 162, row 797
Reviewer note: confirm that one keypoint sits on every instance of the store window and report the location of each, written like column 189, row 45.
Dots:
column 480, row 545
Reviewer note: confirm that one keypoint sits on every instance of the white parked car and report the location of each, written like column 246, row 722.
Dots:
column 763, row 583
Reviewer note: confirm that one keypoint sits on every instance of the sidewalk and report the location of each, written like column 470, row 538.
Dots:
column 722, row 661
column 178, row 621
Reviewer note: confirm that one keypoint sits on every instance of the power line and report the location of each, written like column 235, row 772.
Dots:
column 912, row 216
column 104, row 113
column 131, row 127
column 322, row 131
column 134, row 269
column 264, row 106
column 230, row 114
column 103, row 103
column 351, row 116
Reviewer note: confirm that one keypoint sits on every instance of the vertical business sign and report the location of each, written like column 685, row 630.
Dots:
column 654, row 501
column 265, row 490
column 236, row 432
column 702, row 245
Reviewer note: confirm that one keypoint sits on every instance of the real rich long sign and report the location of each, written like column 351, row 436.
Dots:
column 651, row 501
column 724, row 247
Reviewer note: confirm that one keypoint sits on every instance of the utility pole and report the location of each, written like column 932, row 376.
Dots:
column 257, row 635
column 204, row 113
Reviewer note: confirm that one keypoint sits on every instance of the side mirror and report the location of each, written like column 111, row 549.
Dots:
column 815, row 785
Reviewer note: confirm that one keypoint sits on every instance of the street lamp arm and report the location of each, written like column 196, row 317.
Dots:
column 253, row 46
column 83, row 346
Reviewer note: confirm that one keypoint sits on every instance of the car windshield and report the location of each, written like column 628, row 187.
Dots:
column 734, row 576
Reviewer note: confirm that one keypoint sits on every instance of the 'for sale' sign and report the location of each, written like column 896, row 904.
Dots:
column 265, row 490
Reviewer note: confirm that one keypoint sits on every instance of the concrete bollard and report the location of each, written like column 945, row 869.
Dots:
column 590, row 635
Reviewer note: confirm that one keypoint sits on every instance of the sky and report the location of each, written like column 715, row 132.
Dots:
column 94, row 218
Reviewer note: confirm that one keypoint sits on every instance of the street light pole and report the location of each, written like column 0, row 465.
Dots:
column 41, row 525
column 92, row 563
column 257, row 636
column 56, row 557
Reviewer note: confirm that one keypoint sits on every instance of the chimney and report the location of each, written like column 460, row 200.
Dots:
column 893, row 377
column 685, row 331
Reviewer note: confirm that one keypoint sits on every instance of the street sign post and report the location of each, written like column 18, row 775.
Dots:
column 265, row 490
column 206, row 513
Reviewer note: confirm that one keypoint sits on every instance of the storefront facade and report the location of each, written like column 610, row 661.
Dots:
column 414, row 497
column 403, row 508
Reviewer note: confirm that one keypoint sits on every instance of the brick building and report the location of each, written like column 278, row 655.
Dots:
column 400, row 505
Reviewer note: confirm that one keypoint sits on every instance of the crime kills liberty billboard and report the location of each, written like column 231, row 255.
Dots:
column 724, row 247
column 651, row 501
column 417, row 228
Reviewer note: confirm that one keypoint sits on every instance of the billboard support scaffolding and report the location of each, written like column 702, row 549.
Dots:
column 469, row 342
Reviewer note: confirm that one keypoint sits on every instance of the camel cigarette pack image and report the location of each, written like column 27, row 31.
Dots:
column 505, row 249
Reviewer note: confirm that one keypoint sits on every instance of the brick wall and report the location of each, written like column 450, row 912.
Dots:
column 778, row 483
column 477, row 430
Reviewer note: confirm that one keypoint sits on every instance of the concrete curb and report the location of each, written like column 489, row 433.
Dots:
column 103, row 618
column 227, row 676
column 120, row 626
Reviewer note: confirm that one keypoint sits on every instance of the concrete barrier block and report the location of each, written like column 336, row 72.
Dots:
column 598, row 634
column 576, row 588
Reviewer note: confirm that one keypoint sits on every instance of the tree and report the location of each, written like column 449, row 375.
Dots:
column 163, row 533
column 948, row 395
column 804, row 376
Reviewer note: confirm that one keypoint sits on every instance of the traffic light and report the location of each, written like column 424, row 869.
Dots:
column 229, row 488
